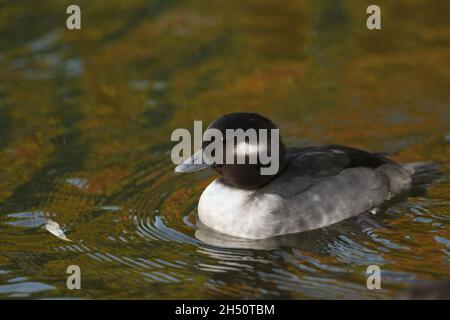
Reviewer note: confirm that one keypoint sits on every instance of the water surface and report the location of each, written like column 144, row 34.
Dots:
column 85, row 124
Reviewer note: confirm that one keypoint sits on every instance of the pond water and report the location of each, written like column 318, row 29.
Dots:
column 85, row 124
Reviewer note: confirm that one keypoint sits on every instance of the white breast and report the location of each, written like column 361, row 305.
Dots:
column 239, row 213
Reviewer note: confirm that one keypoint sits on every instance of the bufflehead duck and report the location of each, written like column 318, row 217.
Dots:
column 313, row 187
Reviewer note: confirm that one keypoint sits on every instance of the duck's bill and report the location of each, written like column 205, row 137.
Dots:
column 194, row 163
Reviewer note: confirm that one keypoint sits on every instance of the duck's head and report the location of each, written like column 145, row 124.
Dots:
column 245, row 148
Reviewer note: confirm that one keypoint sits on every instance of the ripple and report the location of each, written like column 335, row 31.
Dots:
column 316, row 287
column 352, row 252
column 154, row 227
column 147, row 215
column 34, row 219
column 24, row 289
column 30, row 219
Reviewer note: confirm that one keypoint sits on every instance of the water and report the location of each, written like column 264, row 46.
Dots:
column 85, row 122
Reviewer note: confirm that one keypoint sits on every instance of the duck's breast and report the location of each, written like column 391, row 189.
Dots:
column 240, row 213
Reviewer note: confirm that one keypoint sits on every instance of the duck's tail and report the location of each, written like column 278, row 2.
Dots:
column 423, row 173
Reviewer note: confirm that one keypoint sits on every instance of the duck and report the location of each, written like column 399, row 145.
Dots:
column 314, row 186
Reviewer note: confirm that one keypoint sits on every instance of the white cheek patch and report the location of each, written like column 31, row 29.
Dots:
column 243, row 149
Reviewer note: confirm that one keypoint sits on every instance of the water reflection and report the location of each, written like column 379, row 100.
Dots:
column 85, row 121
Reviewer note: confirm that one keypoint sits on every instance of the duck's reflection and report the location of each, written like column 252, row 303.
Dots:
column 313, row 240
column 214, row 238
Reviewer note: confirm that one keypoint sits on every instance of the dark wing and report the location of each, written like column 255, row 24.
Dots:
column 327, row 184
column 331, row 159
column 308, row 165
